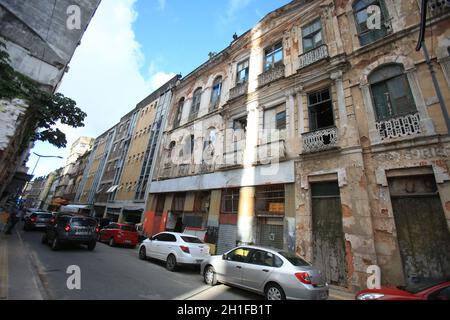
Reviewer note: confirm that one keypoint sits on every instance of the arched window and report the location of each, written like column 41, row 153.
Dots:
column 391, row 92
column 179, row 112
column 170, row 150
column 216, row 92
column 196, row 104
column 364, row 10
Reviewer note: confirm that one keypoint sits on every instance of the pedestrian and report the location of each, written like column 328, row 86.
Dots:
column 15, row 215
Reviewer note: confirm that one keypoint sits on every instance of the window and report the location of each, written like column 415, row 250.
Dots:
column 178, row 202
column 275, row 118
column 210, row 141
column 171, row 147
column 312, row 36
column 262, row 258
column 243, row 70
column 216, row 92
column 179, row 112
column 281, row 120
column 320, row 110
column 269, row 200
column 192, row 144
column 239, row 255
column 230, row 201
column 391, row 93
column 273, row 56
column 366, row 35
column 196, row 103
column 294, row 259
column 192, row 240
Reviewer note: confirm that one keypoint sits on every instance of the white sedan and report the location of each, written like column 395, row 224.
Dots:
column 175, row 249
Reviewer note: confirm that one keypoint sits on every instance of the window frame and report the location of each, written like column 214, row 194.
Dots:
column 246, row 70
column 215, row 98
column 196, row 103
column 316, row 127
column 271, row 52
column 312, row 35
column 384, row 19
column 234, row 193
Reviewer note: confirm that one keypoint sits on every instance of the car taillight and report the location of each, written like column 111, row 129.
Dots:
column 97, row 229
column 67, row 228
column 304, row 277
column 185, row 249
column 52, row 221
column 34, row 219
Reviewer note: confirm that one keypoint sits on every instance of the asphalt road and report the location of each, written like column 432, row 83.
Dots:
column 117, row 274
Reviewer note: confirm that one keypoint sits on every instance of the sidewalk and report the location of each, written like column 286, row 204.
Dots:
column 18, row 280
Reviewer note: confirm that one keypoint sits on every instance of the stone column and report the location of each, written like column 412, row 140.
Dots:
column 373, row 133
column 246, row 216
column 343, row 120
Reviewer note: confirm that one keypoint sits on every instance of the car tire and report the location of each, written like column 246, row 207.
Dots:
column 142, row 253
column 209, row 276
column 274, row 292
column 112, row 242
column 56, row 245
column 91, row 246
column 171, row 263
column 44, row 239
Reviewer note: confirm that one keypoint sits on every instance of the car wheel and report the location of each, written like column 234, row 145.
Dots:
column 171, row 263
column 44, row 239
column 112, row 242
column 210, row 276
column 274, row 292
column 91, row 246
column 142, row 253
column 56, row 245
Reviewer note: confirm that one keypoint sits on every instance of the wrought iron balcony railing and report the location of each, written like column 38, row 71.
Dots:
column 320, row 140
column 398, row 127
column 271, row 75
column 313, row 56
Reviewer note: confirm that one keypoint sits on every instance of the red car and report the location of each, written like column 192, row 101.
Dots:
column 426, row 291
column 119, row 234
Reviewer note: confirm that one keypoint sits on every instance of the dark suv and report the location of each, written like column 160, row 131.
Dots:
column 68, row 229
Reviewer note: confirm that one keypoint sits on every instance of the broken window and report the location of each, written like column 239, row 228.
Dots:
column 243, row 70
column 366, row 33
column 273, row 56
column 320, row 110
column 269, row 200
column 391, row 93
column 230, row 201
column 196, row 103
column 216, row 92
column 312, row 36
column 170, row 151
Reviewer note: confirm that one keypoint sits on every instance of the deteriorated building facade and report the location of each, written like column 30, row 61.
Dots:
column 318, row 131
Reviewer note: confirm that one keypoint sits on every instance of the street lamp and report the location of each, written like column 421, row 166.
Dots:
column 34, row 169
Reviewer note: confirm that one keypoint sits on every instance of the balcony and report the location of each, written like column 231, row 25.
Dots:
column 239, row 90
column 399, row 127
column 438, row 7
column 232, row 159
column 320, row 140
column 271, row 75
column 313, row 56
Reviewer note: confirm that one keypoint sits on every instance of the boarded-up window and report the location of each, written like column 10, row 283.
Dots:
column 269, row 200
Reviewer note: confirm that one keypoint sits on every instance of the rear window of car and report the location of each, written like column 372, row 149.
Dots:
column 44, row 215
column 191, row 240
column 128, row 228
column 294, row 259
column 81, row 222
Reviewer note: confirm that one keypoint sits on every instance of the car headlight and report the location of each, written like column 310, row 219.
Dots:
column 370, row 296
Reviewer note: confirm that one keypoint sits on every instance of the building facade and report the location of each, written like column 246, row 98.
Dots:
column 319, row 133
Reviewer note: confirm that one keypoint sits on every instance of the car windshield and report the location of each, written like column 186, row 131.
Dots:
column 294, row 259
column 83, row 222
column 128, row 228
column 191, row 240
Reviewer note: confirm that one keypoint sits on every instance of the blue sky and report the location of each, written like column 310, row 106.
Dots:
column 134, row 46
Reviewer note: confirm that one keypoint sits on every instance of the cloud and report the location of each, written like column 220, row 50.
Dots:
column 104, row 77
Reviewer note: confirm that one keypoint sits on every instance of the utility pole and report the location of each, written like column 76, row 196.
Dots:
column 421, row 44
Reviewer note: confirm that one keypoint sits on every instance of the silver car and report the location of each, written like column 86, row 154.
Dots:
column 276, row 274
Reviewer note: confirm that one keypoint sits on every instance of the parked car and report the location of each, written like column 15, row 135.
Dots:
column 175, row 249
column 103, row 222
column 29, row 212
column 276, row 274
column 428, row 290
column 37, row 220
column 119, row 234
column 68, row 229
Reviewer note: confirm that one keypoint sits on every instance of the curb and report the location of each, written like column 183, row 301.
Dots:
column 33, row 263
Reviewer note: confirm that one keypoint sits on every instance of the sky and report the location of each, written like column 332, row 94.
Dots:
column 132, row 47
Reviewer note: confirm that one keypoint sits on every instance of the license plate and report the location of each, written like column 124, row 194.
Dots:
column 39, row 225
column 127, row 241
column 82, row 233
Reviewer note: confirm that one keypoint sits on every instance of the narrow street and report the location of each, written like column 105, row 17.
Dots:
column 115, row 274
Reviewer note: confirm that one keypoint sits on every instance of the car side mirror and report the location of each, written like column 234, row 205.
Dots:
column 224, row 257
